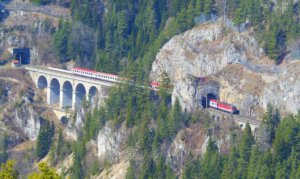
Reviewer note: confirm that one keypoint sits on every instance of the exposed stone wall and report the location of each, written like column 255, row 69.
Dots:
column 247, row 78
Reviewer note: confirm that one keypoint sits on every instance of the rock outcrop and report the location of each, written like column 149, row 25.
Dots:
column 21, row 105
column 30, row 26
column 111, row 142
column 192, row 141
column 215, row 53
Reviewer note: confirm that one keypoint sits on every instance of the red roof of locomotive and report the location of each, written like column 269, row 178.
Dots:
column 213, row 100
column 15, row 61
column 155, row 84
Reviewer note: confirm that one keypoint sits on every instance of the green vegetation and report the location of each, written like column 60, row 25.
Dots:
column 274, row 25
column 3, row 148
column 247, row 160
column 129, row 35
column 7, row 170
column 45, row 136
column 44, row 172
column 133, row 32
column 124, row 39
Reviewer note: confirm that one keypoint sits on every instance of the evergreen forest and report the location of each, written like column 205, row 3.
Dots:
column 117, row 36
column 123, row 37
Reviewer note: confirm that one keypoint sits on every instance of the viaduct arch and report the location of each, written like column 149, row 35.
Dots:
column 65, row 89
column 67, row 92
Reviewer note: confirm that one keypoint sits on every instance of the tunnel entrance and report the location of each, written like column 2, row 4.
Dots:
column 42, row 82
column 80, row 96
column 205, row 99
column 67, row 95
column 22, row 55
column 93, row 93
column 54, row 91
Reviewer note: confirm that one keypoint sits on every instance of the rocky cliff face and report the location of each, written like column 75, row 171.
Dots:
column 216, row 54
column 192, row 141
column 30, row 26
column 111, row 142
column 22, row 106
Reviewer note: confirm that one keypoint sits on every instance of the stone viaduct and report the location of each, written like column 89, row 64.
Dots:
column 69, row 91
column 66, row 89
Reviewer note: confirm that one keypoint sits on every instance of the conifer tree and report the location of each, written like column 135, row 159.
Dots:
column 211, row 163
column 208, row 7
column 44, row 140
column 231, row 164
column 253, row 167
column 245, row 150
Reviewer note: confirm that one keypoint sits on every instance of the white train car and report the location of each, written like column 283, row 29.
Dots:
column 60, row 70
column 154, row 86
column 96, row 75
column 109, row 77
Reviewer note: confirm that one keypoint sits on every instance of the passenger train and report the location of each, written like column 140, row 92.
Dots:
column 102, row 76
column 96, row 75
column 229, row 108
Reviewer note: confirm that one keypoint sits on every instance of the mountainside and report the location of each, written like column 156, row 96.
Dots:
column 244, row 75
column 28, row 26
column 240, row 52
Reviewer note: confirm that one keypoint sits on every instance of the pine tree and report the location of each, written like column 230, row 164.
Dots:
column 44, row 140
column 271, row 119
column 3, row 148
column 208, row 7
column 129, row 115
column 198, row 7
column 61, row 40
column 211, row 163
column 231, row 165
column 253, row 167
column 266, row 169
column 245, row 150
column 77, row 171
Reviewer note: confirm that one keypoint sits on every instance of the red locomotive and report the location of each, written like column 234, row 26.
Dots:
column 229, row 108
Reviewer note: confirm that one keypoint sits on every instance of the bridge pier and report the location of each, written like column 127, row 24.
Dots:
column 61, row 99
column 64, row 88
column 48, row 95
column 74, row 101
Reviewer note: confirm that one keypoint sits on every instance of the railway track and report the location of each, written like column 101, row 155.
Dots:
column 236, row 117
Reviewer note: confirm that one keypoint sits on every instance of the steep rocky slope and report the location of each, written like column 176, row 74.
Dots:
column 231, row 65
column 22, row 110
column 30, row 26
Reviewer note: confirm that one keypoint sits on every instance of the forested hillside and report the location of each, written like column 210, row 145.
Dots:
column 123, row 37
column 119, row 34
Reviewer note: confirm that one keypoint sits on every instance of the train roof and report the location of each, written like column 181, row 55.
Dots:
column 154, row 84
column 213, row 100
column 93, row 71
column 15, row 61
